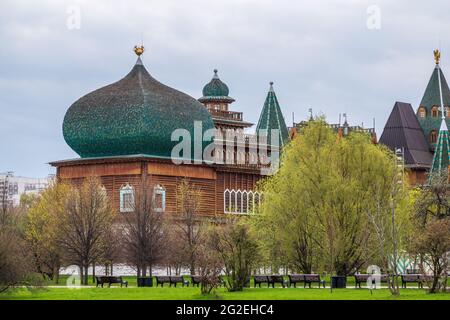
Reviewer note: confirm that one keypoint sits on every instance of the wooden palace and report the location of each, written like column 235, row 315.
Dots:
column 124, row 131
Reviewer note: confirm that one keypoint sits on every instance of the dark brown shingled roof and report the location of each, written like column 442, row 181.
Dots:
column 402, row 129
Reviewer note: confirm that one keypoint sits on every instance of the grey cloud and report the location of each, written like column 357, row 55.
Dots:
column 319, row 54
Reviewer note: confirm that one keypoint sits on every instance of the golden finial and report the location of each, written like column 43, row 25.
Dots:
column 437, row 56
column 139, row 50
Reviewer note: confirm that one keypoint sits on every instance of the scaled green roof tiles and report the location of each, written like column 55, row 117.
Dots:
column 216, row 90
column 442, row 151
column 431, row 99
column 135, row 115
column 272, row 118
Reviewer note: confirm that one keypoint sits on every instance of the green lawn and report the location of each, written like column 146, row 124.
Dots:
column 190, row 293
column 132, row 282
column 61, row 292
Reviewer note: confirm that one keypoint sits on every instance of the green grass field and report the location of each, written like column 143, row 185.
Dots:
column 180, row 293
column 52, row 291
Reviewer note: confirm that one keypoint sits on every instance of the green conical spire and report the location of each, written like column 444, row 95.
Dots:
column 441, row 153
column 272, row 118
column 436, row 87
column 441, row 157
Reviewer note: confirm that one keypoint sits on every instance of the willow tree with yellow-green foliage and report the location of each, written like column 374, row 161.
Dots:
column 41, row 230
column 329, row 206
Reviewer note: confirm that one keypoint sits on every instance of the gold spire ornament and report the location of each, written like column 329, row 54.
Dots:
column 437, row 56
column 139, row 50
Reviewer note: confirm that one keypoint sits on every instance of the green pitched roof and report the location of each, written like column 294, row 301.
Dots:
column 431, row 98
column 272, row 118
column 216, row 90
column 135, row 115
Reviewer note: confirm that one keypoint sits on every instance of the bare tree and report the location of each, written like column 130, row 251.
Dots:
column 175, row 257
column 238, row 251
column 209, row 266
column 433, row 244
column 113, row 250
column 84, row 225
column 189, row 227
column 143, row 232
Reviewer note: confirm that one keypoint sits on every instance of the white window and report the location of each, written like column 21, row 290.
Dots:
column 159, row 198
column 250, row 203
column 232, row 201
column 245, row 202
column 126, row 198
column 238, row 202
column 227, row 201
column 241, row 202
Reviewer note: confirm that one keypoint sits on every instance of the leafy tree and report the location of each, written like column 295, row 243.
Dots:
column 41, row 230
column 14, row 253
column 320, row 201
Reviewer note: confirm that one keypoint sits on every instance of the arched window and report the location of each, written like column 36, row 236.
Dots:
column 126, row 198
column 159, row 198
column 256, row 201
column 244, row 202
column 239, row 201
column 435, row 112
column 433, row 136
column 232, row 201
column 422, row 112
column 227, row 201
column 250, row 203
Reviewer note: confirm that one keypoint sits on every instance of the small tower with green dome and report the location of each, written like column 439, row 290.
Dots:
column 215, row 94
column 216, row 99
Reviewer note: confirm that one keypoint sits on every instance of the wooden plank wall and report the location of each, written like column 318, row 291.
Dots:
column 211, row 183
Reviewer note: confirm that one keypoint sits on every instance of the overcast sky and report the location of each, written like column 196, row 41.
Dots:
column 331, row 56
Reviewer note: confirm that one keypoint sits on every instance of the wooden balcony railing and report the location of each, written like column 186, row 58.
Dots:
column 228, row 115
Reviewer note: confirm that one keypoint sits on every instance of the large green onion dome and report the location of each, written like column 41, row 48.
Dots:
column 216, row 90
column 135, row 115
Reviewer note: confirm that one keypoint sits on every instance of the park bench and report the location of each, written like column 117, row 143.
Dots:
column 260, row 279
column 411, row 278
column 100, row 280
column 162, row 279
column 196, row 280
column 173, row 280
column 271, row 280
column 425, row 278
column 360, row 278
column 296, row 278
column 313, row 278
column 412, row 271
